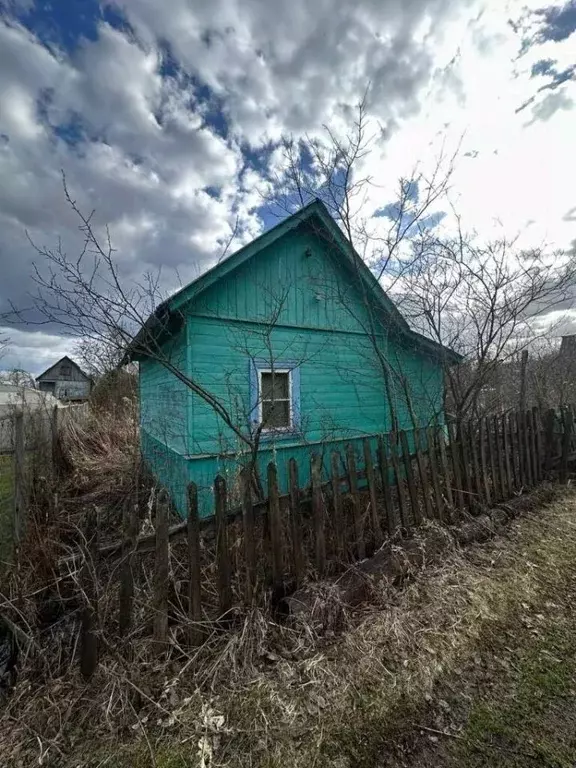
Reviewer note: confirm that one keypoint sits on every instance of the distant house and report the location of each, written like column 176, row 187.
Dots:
column 66, row 381
column 291, row 348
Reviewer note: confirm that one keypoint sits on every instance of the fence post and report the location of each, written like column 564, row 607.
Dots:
column 407, row 458
column 337, row 504
column 296, row 520
column 275, row 526
column 567, row 421
column 19, row 478
column 369, row 467
column 88, row 634
column 222, row 549
column 318, row 513
column 353, row 487
column 423, row 474
column 384, row 477
column 161, row 572
column 528, row 441
column 194, row 575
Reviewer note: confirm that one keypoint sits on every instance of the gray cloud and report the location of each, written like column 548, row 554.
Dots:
column 151, row 125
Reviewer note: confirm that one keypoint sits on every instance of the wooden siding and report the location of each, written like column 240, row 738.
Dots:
column 292, row 302
column 164, row 399
column 55, row 372
column 303, row 275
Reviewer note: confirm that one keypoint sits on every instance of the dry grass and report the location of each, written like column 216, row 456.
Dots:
column 102, row 452
column 271, row 694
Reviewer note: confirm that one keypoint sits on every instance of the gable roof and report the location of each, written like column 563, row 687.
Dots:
column 62, row 359
column 316, row 213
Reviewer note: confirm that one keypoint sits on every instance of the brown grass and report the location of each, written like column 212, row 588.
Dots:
column 343, row 689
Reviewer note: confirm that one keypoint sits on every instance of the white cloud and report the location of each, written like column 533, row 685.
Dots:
column 157, row 143
column 33, row 351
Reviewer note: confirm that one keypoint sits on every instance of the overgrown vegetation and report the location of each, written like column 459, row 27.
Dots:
column 457, row 666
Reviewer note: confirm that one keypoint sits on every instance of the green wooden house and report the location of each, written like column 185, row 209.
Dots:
column 287, row 348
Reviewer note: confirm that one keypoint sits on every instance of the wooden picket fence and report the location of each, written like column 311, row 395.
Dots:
column 344, row 514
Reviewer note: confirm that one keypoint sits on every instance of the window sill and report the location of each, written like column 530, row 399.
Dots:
column 280, row 434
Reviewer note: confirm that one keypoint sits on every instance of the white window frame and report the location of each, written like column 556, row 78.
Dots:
column 290, row 427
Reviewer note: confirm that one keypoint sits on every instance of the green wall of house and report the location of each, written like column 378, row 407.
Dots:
column 295, row 302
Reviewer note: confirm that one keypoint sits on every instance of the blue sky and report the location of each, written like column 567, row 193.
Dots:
column 168, row 122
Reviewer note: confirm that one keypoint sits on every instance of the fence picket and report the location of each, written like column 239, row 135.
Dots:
column 568, row 420
column 549, row 441
column 353, row 488
column 491, row 450
column 296, row 520
column 502, row 490
column 482, row 439
column 528, row 441
column 161, row 572
column 530, row 415
column 402, row 501
column 409, row 471
column 318, row 514
column 249, row 534
column 537, row 422
column 369, row 467
column 423, row 474
column 337, row 518
column 455, row 456
column 465, row 464
column 445, row 468
column 222, row 548
column 194, row 574
column 506, row 451
column 275, row 525
column 433, row 463
column 473, row 445
column 385, row 483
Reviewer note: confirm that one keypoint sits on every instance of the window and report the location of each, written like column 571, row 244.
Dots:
column 275, row 399
column 275, row 396
column 65, row 371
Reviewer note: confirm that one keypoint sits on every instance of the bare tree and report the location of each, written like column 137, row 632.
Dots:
column 86, row 297
column 18, row 377
column 331, row 168
column 484, row 301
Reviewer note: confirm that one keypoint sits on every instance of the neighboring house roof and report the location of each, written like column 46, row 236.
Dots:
column 164, row 315
column 46, row 374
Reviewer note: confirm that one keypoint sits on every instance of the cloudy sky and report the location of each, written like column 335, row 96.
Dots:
column 167, row 117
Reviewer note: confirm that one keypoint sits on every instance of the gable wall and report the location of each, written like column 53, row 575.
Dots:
column 319, row 321
column 297, row 281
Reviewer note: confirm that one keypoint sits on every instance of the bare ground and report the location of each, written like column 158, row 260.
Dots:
column 471, row 663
